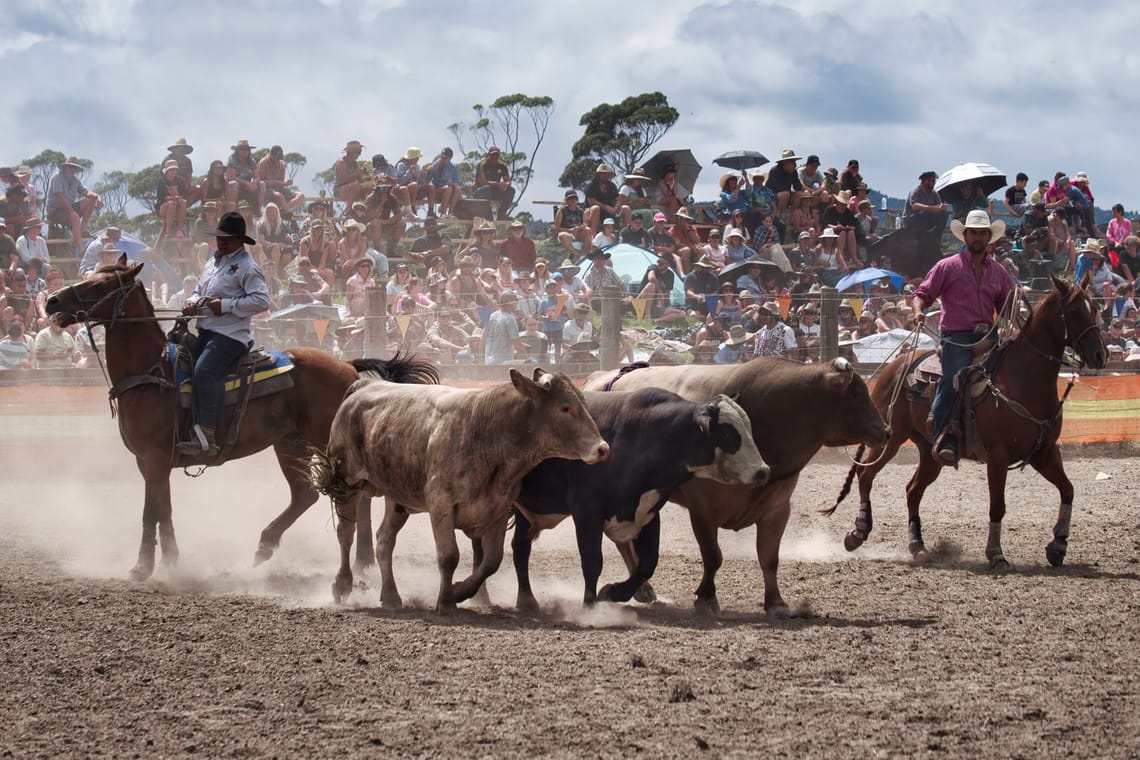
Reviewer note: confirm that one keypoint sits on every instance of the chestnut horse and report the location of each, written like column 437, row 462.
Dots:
column 293, row 421
column 1018, row 421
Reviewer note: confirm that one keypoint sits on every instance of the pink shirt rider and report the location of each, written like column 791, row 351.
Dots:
column 966, row 300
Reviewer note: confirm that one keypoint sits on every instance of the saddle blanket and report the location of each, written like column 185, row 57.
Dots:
column 270, row 376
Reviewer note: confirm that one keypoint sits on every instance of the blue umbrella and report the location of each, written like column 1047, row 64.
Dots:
column 869, row 274
column 630, row 263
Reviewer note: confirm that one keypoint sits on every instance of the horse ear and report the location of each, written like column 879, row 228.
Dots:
column 1059, row 285
column 122, row 260
column 133, row 271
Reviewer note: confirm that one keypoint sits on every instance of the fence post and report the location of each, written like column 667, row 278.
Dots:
column 828, row 323
column 612, row 306
column 376, row 321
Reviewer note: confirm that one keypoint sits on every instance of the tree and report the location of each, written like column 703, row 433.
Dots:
column 112, row 188
column 142, row 186
column 326, row 180
column 619, row 135
column 45, row 165
column 294, row 163
column 517, row 125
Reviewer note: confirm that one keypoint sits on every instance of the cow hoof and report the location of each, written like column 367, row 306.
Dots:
column 263, row 553
column 645, row 594
column 1055, row 553
column 140, row 572
column 778, row 611
column 340, row 590
column 707, row 606
column 853, row 541
column 999, row 564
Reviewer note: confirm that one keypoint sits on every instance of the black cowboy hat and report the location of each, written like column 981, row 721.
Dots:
column 233, row 225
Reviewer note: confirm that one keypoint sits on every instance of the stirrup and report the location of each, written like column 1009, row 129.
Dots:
column 199, row 445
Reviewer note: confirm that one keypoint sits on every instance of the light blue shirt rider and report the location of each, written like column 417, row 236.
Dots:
column 238, row 281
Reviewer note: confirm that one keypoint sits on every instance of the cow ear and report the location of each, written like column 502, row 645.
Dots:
column 703, row 418
column 520, row 381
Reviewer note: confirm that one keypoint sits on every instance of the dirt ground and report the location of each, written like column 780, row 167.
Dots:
column 885, row 658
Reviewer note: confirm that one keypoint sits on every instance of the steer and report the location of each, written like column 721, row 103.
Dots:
column 458, row 454
column 795, row 409
column 658, row 440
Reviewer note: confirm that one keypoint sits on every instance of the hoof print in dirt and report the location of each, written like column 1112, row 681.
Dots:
column 636, row 661
column 701, row 744
column 681, row 692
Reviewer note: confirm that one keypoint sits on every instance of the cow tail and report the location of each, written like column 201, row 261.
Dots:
column 401, row 368
column 846, row 483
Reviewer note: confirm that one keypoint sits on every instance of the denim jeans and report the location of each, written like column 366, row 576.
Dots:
column 218, row 354
column 504, row 197
column 957, row 353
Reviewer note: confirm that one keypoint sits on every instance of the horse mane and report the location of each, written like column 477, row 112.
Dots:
column 401, row 368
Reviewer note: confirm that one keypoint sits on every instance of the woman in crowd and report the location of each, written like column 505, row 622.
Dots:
column 273, row 237
column 319, row 248
column 713, row 249
column 351, row 248
column 355, row 288
column 212, row 188
column 889, row 318
column 830, row 264
column 398, row 285
column 805, row 214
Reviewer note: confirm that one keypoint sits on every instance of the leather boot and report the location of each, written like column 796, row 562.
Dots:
column 202, row 443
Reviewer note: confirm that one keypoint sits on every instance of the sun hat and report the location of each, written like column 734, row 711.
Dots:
column 567, row 264
column 866, row 204
column 762, row 176
column 660, row 217
column 242, row 144
column 603, row 169
column 843, row 196
column 638, row 173
column 171, row 164
column 772, row 308
column 724, row 178
column 846, row 304
column 831, row 172
column 704, row 262
column 111, row 248
column 365, row 261
column 683, row 214
column 738, row 336
column 787, row 154
column 33, row 223
column 598, row 253
column 412, row 153
column 582, row 308
column 485, row 227
column 734, row 232
column 828, row 234
column 977, row 220
column 517, row 225
column 928, row 174
column 889, row 306
column 182, row 145
column 72, row 162
column 1080, row 177
column 232, row 224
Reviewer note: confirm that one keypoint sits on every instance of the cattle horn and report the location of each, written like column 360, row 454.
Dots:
column 841, row 378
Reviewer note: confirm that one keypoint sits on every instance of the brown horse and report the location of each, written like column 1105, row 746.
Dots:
column 1018, row 421
column 293, row 421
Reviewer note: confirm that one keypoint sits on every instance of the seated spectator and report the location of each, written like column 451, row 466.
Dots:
column 805, row 213
column 274, row 237
column 635, row 233
column 602, row 199
column 23, row 181
column 484, row 248
column 491, row 285
column 1101, row 287
column 278, row 187
column 729, row 312
column 215, row 189
column 1119, row 227
column 846, row 315
column 16, row 212
column 888, row 318
column 634, row 196
column 398, row 284
column 656, row 288
column 9, row 251
column 20, row 303
column 432, row 245
column 750, row 280
column 319, row 248
column 69, row 203
column 805, row 278
column 700, row 282
column 580, row 328
column 553, row 316
column 1086, row 202
column 31, row 244
column 774, row 338
column 501, row 335
column 713, row 250
column 735, row 250
column 15, row 350
column 525, row 289
column 686, row 240
column 35, row 271
column 764, row 236
column 969, row 198
column 867, row 325
column 733, row 195
column 866, row 223
column 1016, row 197
column 316, row 285
column 660, row 240
column 537, row 344
column 671, row 194
column 736, row 346
column 453, row 335
column 55, row 348
column 571, row 282
column 408, row 179
column 784, row 180
column 349, row 174
column 839, row 218
column 607, row 236
column 350, row 248
column 924, row 210
column 812, row 178
column 850, row 179
column 420, row 302
column 179, row 153
column 169, row 201
column 241, row 174
column 91, row 255
column 386, row 224
column 1059, row 231
column 518, row 247
column 808, row 335
column 466, row 285
column 355, row 288
column 570, row 229
column 441, row 180
column 493, row 182
column 1129, row 258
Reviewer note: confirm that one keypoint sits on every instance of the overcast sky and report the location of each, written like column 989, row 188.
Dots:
column 1027, row 86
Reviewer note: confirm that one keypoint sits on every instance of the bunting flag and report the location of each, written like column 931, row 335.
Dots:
column 857, row 305
column 785, row 306
column 713, row 304
column 320, row 326
column 639, row 307
column 402, row 321
column 562, row 299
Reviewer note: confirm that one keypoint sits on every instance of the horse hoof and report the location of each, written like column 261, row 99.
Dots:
column 262, row 554
column 604, row 593
column 917, row 550
column 140, row 573
column 645, row 594
column 527, row 605
column 999, row 564
column 707, row 607
column 341, row 590
column 1055, row 553
column 853, row 541
column 778, row 611
column 393, row 601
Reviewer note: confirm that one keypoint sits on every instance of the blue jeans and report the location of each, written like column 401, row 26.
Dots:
column 504, row 197
column 957, row 354
column 217, row 355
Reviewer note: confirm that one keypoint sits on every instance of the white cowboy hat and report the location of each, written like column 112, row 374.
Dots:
column 977, row 220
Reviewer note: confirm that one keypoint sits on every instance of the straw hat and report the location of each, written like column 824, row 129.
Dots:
column 683, row 214
column 638, row 173
column 412, row 153
column 182, row 145
column 734, row 232
column 724, row 178
column 71, row 162
column 977, row 220
column 242, row 144
column 737, row 336
column 704, row 262
column 787, row 154
column 353, row 146
column 843, row 196
column 567, row 264
column 604, row 169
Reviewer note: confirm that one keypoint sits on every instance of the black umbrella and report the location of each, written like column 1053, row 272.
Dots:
column 767, row 269
column 687, row 166
column 741, row 160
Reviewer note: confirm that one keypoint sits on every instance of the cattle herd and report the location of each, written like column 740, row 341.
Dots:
column 725, row 442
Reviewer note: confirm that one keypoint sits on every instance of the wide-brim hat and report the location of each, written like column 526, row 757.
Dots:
column 182, row 145
column 71, row 161
column 242, row 144
column 787, row 154
column 772, row 308
column 485, row 227
column 734, row 232
column 584, row 345
column 846, row 304
column 232, row 224
column 568, row 264
column 318, row 202
column 724, row 178
column 465, row 261
column 843, row 196
column 582, row 308
column 598, row 253
column 352, row 145
column 737, row 336
column 638, row 173
column 604, row 169
column 977, row 220
column 111, row 248
column 683, row 214
column 412, row 153
column 704, row 262
column 34, row 223
column 829, row 233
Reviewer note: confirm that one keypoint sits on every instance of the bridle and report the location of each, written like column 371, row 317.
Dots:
column 87, row 305
column 1074, row 343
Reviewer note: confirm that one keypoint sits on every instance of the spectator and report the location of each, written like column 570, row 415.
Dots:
column 671, row 194
column 298, row 293
column 274, row 237
column 784, row 181
column 15, row 351
column 1016, row 197
column 179, row 153
column 733, row 196
column 812, row 179
column 805, row 278
column 23, row 175
column 580, row 329
column 493, row 182
column 15, row 209
column 867, row 325
column 524, row 289
column 278, row 188
column 319, row 248
column 1081, row 183
column 656, row 287
column 69, row 203
column 518, row 247
column 241, row 175
column 9, row 251
column 735, row 250
column 602, row 275
column 491, row 285
column 830, row 263
column 1119, row 227
column 1038, row 195
column 924, row 210
column 888, row 318
column 441, row 179
column 660, row 240
column 31, row 244
column 736, row 346
column 1035, row 224
column 969, row 197
column 729, row 312
column 466, row 285
column 1059, row 231
column 570, row 229
column 349, row 173
column 91, row 255
column 750, row 280
column 805, row 213
column 713, row 250
column 809, row 331
column 315, row 284
column 484, row 248
column 408, row 179
column 1115, row 335
column 432, row 244
column 501, row 336
column 215, row 189
column 1124, row 301
column 851, row 178
column 1129, row 255
column 774, row 338
column 700, row 282
column 552, row 315
column 20, row 302
column 571, row 282
column 537, row 344
column 452, row 335
column 386, row 224
column 170, row 202
column 635, row 233
column 632, row 195
column 34, row 268
column 606, row 237
column 602, row 199
column 398, row 285
column 805, row 251
column 177, row 299
column 55, row 348
column 865, row 225
column 686, row 240
column 763, row 202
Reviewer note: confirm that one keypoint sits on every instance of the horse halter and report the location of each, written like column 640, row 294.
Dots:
column 88, row 305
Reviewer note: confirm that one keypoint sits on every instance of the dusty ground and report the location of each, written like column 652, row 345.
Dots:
column 221, row 660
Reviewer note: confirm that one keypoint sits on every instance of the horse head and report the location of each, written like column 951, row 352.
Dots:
column 99, row 298
column 1079, row 323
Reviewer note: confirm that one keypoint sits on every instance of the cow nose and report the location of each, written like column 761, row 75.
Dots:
column 763, row 472
column 602, row 452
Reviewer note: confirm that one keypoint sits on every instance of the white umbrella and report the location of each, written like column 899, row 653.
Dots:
column 985, row 176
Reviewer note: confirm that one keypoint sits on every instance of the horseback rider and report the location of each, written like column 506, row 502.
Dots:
column 972, row 286
column 230, row 291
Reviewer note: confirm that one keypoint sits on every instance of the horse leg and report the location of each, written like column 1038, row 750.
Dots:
column 1048, row 463
column 489, row 557
column 864, row 521
column 293, row 459
column 520, row 551
column 647, row 546
column 769, row 533
column 394, row 518
column 446, row 554
column 705, row 531
column 644, row 593
column 365, row 554
column 995, row 474
column 925, row 473
column 345, row 530
column 156, row 518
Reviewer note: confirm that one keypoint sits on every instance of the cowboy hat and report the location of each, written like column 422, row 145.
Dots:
column 232, row 224
column 111, row 248
column 568, row 264
column 583, row 344
column 738, row 336
column 23, row 171
column 724, row 178
column 843, row 196
column 582, row 308
column 465, row 261
column 829, row 234
column 846, row 304
column 638, row 173
column 704, row 262
column 485, row 226
column 734, row 232
column 889, row 306
column 33, row 223
column 682, row 214
column 787, row 154
column 182, row 145
column 772, row 308
column 242, row 144
column 598, row 253
column 412, row 153
column 72, row 162
column 352, row 145
column 171, row 164
column 493, row 150
column 977, row 220
column 603, row 169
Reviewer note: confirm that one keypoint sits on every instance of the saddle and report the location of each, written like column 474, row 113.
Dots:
column 922, row 379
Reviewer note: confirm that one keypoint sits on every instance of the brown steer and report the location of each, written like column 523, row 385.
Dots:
column 458, row 454
column 795, row 409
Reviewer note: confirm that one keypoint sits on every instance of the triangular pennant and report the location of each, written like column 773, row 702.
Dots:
column 857, row 305
column 785, row 305
column 562, row 299
column 713, row 304
column 402, row 321
column 639, row 307
column 321, row 326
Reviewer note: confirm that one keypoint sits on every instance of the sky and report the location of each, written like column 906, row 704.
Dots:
column 901, row 87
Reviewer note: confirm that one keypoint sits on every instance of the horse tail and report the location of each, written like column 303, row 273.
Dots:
column 846, row 489
column 401, row 368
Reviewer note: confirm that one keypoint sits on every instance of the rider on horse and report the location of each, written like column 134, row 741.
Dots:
column 972, row 287
column 230, row 291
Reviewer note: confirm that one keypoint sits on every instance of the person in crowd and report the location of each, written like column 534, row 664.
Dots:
column 850, row 179
column 671, row 194
column 493, row 182
column 734, row 195
column 317, row 285
column 805, row 213
column 350, row 248
column 686, row 240
column 55, row 348
column 699, row 283
column 432, row 244
column 570, row 229
column 398, row 284
column 774, row 338
column 170, row 202
column 867, row 325
column 805, row 278
column 607, row 236
column 19, row 301
column 449, row 334
column 968, row 197
column 1129, row 258
column 1061, row 234
column 751, row 279
column 524, row 289
column 580, row 328
column 441, row 180
column 178, row 298
column 635, row 233
column 241, row 174
column 830, row 263
column 763, row 202
column 656, row 287
column 553, row 315
column 537, row 344
column 278, row 188
column 274, row 236
column 518, row 247
column 501, row 336
column 1086, row 202
column 319, row 248
column 736, row 346
column 889, row 318
column 765, row 236
column 1119, row 227
column 784, row 180
column 179, row 152
column 356, row 286
column 409, row 179
column 31, row 244
column 634, row 195
column 349, row 173
column 812, row 178
column 466, row 283
column 713, row 250
column 602, row 199
column 839, row 218
column 16, row 210
column 1017, row 197
column 602, row 275
column 69, row 203
column 924, row 210
column 571, row 282
column 214, row 189
column 808, row 334
column 16, row 351
column 735, row 249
